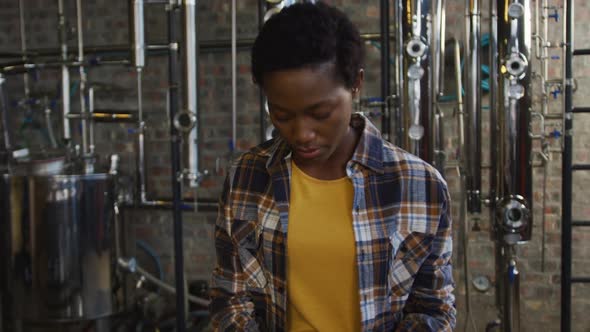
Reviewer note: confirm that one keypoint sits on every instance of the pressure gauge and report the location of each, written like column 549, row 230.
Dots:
column 482, row 283
column 515, row 10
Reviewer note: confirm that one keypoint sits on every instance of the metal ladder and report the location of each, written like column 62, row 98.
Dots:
column 567, row 180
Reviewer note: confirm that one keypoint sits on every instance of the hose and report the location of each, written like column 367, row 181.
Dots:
column 131, row 266
column 152, row 253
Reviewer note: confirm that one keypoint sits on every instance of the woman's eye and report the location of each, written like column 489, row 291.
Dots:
column 322, row 116
column 281, row 117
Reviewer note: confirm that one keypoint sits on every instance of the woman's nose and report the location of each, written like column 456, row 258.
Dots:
column 303, row 132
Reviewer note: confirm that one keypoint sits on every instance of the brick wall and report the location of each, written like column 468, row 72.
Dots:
column 106, row 23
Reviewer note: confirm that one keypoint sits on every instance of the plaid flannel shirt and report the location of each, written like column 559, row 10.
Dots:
column 402, row 226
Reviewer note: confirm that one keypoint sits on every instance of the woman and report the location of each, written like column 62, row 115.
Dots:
column 328, row 227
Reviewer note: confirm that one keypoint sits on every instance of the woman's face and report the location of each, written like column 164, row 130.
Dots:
column 311, row 110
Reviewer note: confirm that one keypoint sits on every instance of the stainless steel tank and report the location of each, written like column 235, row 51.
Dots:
column 56, row 247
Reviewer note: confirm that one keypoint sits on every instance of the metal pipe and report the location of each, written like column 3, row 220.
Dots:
column 132, row 266
column 511, row 319
column 49, row 126
column 564, row 54
column 6, row 125
column 91, row 119
column 537, row 38
column 82, row 87
column 137, row 33
column 513, row 219
column 493, row 137
column 428, row 120
column 473, row 103
column 465, row 241
column 141, row 140
column 442, row 40
column 545, row 155
column 65, row 72
column 137, row 43
column 123, row 50
column 437, row 81
column 462, row 153
column 437, row 141
column 415, row 47
column 24, row 67
column 545, row 80
column 23, row 45
column 261, row 97
column 234, row 86
column 545, row 52
column 152, row 49
column 173, row 82
column 117, row 229
column 167, row 204
column 114, row 172
column 515, row 100
column 400, row 137
column 494, row 148
column 460, row 110
column 438, row 49
column 191, row 55
column 104, row 116
column 541, row 51
column 385, row 69
column 566, row 183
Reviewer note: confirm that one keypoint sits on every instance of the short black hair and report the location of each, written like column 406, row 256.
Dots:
column 307, row 35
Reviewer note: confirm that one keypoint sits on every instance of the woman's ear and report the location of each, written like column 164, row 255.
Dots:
column 360, row 79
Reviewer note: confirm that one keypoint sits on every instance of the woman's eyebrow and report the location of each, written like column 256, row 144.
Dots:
column 308, row 108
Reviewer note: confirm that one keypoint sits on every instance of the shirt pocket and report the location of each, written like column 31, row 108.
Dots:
column 406, row 259
column 246, row 234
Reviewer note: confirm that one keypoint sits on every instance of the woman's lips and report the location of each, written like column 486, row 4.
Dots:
column 308, row 153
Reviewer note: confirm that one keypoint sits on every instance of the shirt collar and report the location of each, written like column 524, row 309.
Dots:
column 368, row 151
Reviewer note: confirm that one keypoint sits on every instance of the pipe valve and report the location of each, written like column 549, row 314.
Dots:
column 555, row 14
column 514, row 217
column 416, row 48
column 185, row 121
column 516, row 65
column 129, row 265
column 555, row 92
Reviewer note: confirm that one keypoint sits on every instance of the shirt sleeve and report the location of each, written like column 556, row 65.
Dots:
column 231, row 307
column 431, row 304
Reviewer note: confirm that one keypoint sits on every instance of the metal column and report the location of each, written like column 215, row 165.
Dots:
column 567, row 179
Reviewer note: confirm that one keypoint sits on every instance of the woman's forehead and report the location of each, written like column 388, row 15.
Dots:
column 300, row 88
column 302, row 79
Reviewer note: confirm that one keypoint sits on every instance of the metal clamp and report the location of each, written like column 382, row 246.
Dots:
column 416, row 48
column 542, row 119
column 514, row 216
column 516, row 65
column 186, row 174
column 185, row 121
column 515, row 91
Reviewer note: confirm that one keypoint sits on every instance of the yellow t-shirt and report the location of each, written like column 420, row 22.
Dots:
column 322, row 278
